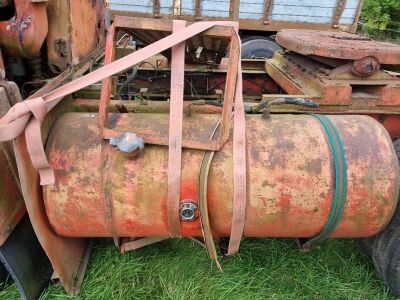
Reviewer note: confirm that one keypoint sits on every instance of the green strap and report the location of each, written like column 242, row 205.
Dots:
column 340, row 194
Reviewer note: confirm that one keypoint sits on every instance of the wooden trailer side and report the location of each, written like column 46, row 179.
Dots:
column 264, row 15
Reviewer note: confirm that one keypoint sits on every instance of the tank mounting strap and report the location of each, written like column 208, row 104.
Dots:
column 239, row 169
column 204, row 217
column 175, row 133
column 340, row 193
column 203, row 206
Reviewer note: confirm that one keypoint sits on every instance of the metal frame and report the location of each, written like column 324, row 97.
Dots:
column 225, row 30
column 299, row 75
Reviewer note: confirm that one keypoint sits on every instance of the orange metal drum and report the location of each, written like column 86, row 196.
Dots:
column 100, row 191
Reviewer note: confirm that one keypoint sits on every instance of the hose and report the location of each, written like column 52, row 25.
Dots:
column 127, row 81
column 266, row 105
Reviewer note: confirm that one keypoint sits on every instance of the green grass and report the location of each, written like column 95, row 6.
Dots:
column 264, row 269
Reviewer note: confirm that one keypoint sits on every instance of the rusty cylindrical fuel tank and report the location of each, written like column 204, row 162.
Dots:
column 100, row 191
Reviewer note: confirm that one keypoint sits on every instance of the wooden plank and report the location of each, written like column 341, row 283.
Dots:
column 312, row 14
column 337, row 15
column 308, row 19
column 298, row 11
column 197, row 13
column 234, row 7
column 305, row 11
column 156, row 8
column 268, row 4
column 250, row 21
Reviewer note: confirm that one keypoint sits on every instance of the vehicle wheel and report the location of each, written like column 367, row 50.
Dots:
column 384, row 248
column 25, row 260
column 3, row 274
column 258, row 47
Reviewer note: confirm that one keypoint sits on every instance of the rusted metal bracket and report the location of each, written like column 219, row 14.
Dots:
column 72, row 37
column 338, row 45
column 340, row 5
column 299, row 75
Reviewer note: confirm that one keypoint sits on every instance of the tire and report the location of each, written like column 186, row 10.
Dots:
column 384, row 248
column 3, row 274
column 258, row 47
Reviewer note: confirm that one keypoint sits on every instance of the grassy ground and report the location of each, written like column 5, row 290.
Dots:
column 264, row 269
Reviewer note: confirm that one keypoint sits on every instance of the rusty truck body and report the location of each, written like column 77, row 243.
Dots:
column 206, row 130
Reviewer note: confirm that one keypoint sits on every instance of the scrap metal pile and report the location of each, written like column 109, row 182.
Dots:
column 189, row 141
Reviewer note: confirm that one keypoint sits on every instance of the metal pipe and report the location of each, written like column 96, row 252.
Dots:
column 92, row 105
column 127, row 81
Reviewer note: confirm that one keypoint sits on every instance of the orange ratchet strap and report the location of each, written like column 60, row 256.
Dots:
column 175, row 133
column 239, row 169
